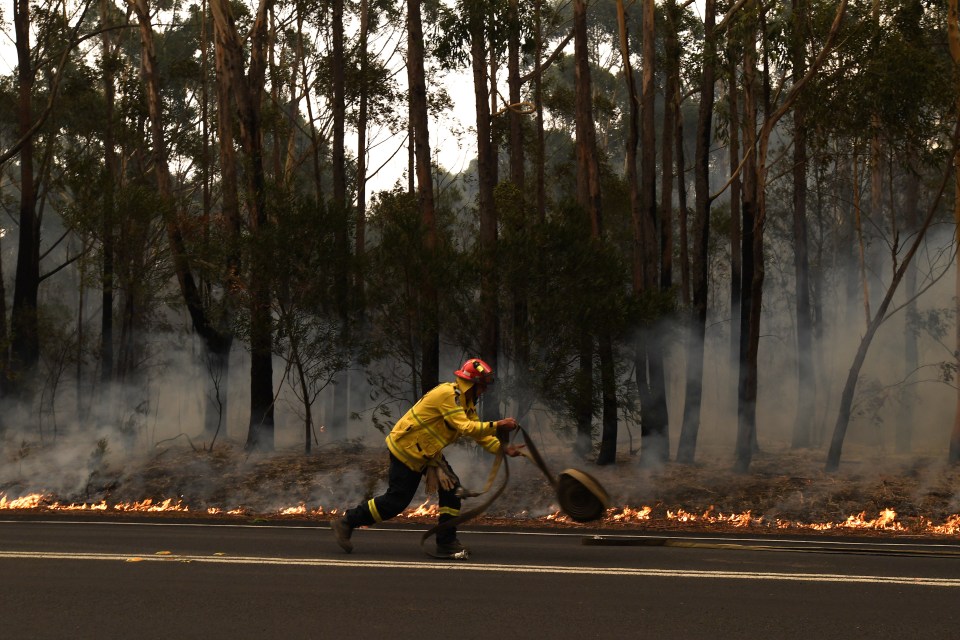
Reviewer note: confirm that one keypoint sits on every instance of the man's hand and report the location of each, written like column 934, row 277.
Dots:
column 513, row 450
column 507, row 424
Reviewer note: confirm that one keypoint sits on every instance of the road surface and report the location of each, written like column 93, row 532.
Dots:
column 96, row 578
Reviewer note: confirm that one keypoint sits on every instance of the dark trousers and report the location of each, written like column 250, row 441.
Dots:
column 403, row 483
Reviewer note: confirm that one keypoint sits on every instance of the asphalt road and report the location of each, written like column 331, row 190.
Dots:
column 98, row 579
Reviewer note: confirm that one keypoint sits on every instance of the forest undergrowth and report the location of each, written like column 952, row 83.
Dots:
column 785, row 491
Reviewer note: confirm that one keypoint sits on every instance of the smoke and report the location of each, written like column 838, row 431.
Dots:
column 85, row 442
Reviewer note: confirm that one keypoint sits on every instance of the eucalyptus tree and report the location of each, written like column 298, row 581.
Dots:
column 913, row 102
column 746, row 432
column 246, row 84
column 686, row 448
column 954, row 39
column 416, row 82
column 58, row 38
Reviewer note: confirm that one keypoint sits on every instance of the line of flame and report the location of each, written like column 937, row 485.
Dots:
column 886, row 520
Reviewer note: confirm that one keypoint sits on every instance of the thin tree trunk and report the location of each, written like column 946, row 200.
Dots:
column 486, row 168
column 246, row 90
column 430, row 332
column 849, row 389
column 858, row 225
column 806, row 386
column 736, row 259
column 363, row 115
column 953, row 32
column 109, row 183
column 746, row 435
column 337, row 420
column 671, row 114
column 24, row 338
column 682, row 223
column 648, row 357
column 747, row 380
column 588, row 196
column 908, row 397
column 608, row 444
column 538, row 99
column 687, row 447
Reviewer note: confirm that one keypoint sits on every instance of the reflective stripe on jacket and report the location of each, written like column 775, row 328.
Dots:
column 438, row 419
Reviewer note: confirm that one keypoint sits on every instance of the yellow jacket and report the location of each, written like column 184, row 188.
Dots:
column 438, row 419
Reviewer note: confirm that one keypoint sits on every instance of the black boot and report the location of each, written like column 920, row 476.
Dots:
column 453, row 549
column 342, row 532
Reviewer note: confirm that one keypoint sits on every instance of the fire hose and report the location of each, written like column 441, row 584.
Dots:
column 580, row 496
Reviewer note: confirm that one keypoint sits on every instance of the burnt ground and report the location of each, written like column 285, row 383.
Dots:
column 784, row 492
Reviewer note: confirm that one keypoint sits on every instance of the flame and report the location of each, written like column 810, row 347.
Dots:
column 422, row 511
column 630, row 515
column 886, row 520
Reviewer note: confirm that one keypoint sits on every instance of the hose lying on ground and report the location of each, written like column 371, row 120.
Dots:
column 581, row 497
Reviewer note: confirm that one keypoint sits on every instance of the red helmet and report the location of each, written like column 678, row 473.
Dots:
column 475, row 370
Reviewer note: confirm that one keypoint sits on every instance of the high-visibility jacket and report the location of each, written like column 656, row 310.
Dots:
column 438, row 419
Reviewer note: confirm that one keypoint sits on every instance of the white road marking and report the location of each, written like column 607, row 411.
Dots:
column 506, row 568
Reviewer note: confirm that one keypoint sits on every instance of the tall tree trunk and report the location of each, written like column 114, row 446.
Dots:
column 24, row 338
column 671, row 113
column 538, row 100
column 486, row 168
column 338, row 418
column 246, row 89
column 747, row 377
column 849, row 388
column 109, row 184
column 648, row 356
column 911, row 358
column 430, row 331
column 806, row 385
column 682, row 224
column 687, row 447
column 736, row 259
column 360, row 225
column 633, row 139
column 514, row 82
column 953, row 31
column 519, row 329
column 588, row 195
column 746, row 434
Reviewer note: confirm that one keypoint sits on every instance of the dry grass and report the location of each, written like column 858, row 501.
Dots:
column 790, row 487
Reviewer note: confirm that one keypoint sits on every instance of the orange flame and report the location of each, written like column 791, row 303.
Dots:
column 422, row 511
column 886, row 520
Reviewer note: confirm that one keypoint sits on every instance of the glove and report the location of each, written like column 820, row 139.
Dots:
column 447, row 482
column 432, row 480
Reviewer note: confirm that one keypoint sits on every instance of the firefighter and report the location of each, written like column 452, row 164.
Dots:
column 416, row 444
